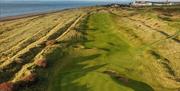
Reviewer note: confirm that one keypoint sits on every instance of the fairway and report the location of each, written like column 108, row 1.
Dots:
column 105, row 49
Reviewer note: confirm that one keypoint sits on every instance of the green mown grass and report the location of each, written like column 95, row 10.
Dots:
column 82, row 69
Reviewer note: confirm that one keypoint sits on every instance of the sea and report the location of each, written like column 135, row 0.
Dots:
column 14, row 8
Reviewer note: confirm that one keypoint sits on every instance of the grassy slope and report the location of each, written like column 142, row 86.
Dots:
column 81, row 69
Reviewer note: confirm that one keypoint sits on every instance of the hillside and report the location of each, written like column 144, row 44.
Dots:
column 92, row 49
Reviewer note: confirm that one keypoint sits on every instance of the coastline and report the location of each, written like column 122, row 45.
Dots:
column 8, row 18
column 19, row 16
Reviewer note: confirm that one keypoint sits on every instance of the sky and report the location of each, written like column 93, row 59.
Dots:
column 89, row 0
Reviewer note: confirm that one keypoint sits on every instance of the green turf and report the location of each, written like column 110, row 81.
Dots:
column 105, row 49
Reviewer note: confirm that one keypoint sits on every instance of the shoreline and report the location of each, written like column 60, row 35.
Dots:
column 20, row 16
column 8, row 18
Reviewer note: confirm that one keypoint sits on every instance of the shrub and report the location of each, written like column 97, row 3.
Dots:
column 26, row 81
column 156, row 24
column 42, row 44
column 19, row 60
column 41, row 63
column 6, row 86
column 29, row 78
column 50, row 42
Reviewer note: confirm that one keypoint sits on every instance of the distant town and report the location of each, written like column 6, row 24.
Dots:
column 150, row 3
column 139, row 3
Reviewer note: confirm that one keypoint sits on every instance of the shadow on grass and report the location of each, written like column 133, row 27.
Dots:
column 73, row 87
column 105, row 49
column 68, row 80
column 76, row 64
column 75, row 69
column 135, row 85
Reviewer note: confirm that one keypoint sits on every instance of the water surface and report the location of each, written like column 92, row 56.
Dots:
column 25, row 7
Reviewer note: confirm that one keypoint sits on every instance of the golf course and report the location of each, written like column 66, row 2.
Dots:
column 96, row 48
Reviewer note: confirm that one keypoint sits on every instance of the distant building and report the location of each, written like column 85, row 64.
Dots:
column 150, row 3
column 115, row 5
column 162, row 3
column 141, row 3
column 175, row 3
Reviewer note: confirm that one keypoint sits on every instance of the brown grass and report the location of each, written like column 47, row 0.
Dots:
column 6, row 86
column 51, row 42
column 41, row 63
column 26, row 81
column 29, row 78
